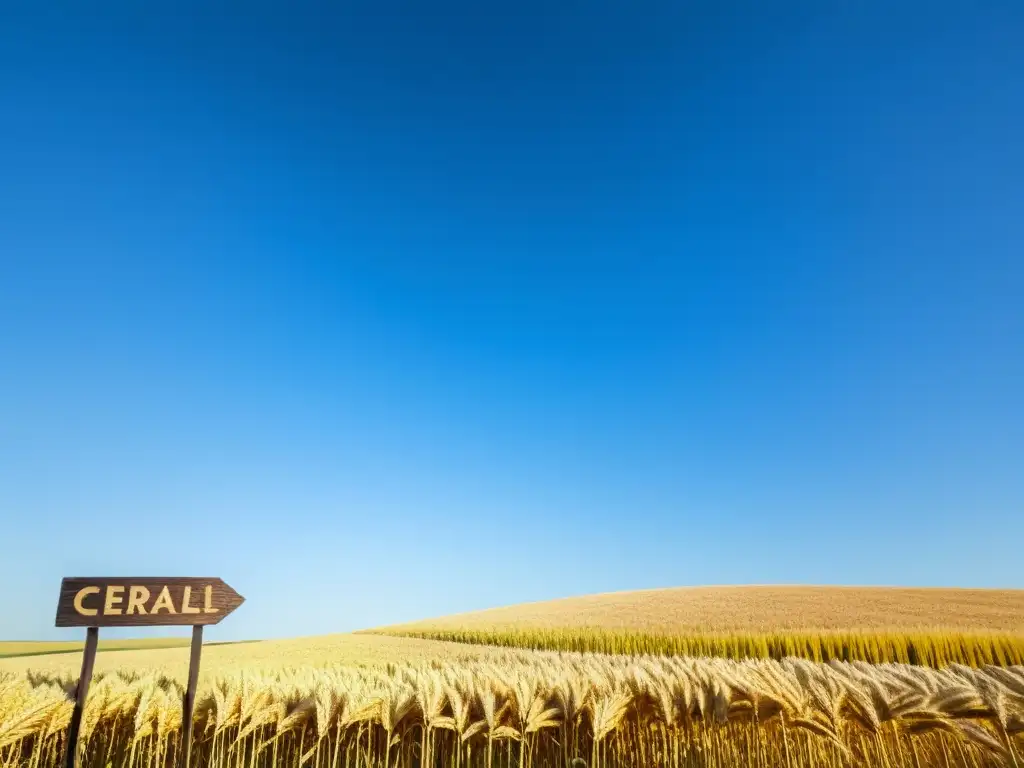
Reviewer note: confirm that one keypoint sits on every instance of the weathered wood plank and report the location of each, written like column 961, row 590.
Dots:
column 92, row 636
column 189, row 702
column 144, row 601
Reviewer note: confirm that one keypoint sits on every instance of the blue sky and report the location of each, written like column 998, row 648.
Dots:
column 382, row 311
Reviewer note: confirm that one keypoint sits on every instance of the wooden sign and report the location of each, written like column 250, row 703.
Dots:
column 144, row 602
column 141, row 602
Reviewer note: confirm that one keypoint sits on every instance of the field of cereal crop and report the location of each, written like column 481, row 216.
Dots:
column 664, row 697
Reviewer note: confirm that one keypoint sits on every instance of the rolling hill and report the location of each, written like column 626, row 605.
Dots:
column 756, row 609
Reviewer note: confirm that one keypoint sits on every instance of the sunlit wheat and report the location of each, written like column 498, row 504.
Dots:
column 527, row 708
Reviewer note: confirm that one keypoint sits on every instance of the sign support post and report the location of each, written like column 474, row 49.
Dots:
column 92, row 637
column 141, row 602
column 189, row 701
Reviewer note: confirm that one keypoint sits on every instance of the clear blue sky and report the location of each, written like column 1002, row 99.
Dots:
column 386, row 311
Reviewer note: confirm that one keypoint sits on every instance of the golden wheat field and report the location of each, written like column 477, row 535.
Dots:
column 264, row 656
column 668, row 696
column 12, row 648
column 535, row 709
column 680, row 610
column 931, row 627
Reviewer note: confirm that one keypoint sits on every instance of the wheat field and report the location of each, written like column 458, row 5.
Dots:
column 756, row 609
column 935, row 648
column 13, row 648
column 535, row 709
column 266, row 656
column 930, row 627
column 669, row 695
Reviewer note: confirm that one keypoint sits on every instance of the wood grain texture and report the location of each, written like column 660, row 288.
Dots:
column 139, row 601
column 92, row 636
column 189, row 700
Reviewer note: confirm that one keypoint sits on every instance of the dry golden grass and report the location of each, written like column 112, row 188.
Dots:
column 930, row 627
column 265, row 656
column 11, row 648
column 936, row 648
column 685, row 610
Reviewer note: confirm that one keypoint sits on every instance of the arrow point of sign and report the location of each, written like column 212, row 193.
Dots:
column 233, row 599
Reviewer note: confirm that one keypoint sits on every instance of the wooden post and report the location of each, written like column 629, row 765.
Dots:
column 189, row 700
column 92, row 636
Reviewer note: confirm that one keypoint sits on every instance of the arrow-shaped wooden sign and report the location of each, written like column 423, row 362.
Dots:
column 144, row 601
column 141, row 602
